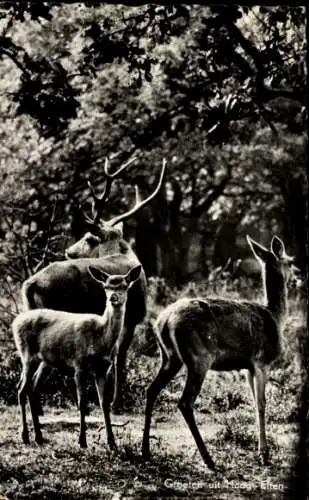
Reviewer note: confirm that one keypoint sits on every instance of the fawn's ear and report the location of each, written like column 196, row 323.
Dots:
column 277, row 247
column 133, row 274
column 258, row 250
column 98, row 274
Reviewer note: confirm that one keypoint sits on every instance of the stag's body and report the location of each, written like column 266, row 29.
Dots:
column 74, row 342
column 67, row 286
column 220, row 334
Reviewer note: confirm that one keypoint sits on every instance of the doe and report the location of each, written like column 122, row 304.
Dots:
column 223, row 334
column 78, row 342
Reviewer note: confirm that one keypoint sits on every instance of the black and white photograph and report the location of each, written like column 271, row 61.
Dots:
column 153, row 251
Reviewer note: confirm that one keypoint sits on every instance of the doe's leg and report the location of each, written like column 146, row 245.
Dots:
column 260, row 404
column 169, row 368
column 250, row 374
column 195, row 378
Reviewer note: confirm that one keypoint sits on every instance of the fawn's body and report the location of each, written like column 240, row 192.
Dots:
column 80, row 342
column 222, row 334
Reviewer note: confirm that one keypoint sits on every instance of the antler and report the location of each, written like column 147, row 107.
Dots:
column 139, row 203
column 98, row 201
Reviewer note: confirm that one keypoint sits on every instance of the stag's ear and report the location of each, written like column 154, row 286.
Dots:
column 258, row 250
column 98, row 274
column 133, row 274
column 277, row 247
column 119, row 227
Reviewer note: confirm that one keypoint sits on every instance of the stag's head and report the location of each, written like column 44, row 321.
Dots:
column 105, row 237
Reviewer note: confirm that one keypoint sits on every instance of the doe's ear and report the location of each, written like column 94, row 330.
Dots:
column 98, row 274
column 258, row 250
column 133, row 274
column 277, row 247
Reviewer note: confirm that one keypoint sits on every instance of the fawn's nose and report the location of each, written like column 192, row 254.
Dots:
column 114, row 299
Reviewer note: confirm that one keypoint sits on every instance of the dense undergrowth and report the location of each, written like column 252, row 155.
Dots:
column 221, row 391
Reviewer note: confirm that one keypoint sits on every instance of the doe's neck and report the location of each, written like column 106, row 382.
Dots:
column 275, row 291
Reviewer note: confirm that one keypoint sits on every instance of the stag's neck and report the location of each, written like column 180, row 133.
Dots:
column 115, row 246
column 109, row 247
column 113, row 320
column 276, row 296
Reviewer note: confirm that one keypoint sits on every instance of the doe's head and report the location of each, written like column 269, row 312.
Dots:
column 116, row 286
column 276, row 259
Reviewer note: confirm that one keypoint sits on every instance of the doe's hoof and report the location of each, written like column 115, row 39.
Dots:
column 263, row 457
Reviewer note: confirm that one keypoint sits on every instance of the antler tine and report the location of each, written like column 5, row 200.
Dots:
column 98, row 203
column 120, row 169
column 139, row 203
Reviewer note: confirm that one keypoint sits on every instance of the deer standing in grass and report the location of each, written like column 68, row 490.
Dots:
column 220, row 334
column 67, row 286
column 78, row 342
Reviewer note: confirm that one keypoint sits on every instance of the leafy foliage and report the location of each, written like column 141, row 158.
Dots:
column 217, row 90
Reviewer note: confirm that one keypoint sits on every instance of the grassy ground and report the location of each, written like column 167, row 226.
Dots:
column 59, row 469
column 224, row 413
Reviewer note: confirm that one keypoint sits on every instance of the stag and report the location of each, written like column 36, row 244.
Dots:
column 223, row 334
column 78, row 342
column 67, row 286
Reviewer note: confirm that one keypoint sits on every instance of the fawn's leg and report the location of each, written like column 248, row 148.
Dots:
column 79, row 378
column 100, row 381
column 38, row 378
column 260, row 404
column 169, row 368
column 35, row 417
column 195, row 377
column 23, row 388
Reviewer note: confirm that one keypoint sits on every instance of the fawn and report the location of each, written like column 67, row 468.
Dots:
column 78, row 342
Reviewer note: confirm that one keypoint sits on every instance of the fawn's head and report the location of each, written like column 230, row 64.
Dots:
column 275, row 261
column 116, row 286
column 104, row 237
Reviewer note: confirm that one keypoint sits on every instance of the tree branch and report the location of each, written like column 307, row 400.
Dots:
column 16, row 53
column 263, row 91
column 214, row 194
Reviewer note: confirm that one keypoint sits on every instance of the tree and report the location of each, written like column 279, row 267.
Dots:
column 193, row 83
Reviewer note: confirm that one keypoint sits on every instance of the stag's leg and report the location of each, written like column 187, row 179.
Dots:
column 79, row 378
column 195, row 378
column 169, row 368
column 100, row 381
column 122, row 347
column 260, row 404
